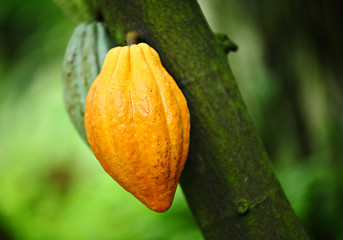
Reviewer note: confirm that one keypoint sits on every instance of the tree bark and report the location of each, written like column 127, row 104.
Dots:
column 228, row 179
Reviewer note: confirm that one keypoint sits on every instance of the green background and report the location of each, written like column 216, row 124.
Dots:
column 288, row 70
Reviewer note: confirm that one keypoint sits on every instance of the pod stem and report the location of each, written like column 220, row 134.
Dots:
column 132, row 38
column 98, row 16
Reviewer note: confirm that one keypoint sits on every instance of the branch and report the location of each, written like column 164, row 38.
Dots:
column 228, row 179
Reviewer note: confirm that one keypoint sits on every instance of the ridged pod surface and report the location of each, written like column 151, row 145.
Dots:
column 82, row 63
column 137, row 123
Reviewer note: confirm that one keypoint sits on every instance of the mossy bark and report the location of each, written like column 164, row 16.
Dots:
column 228, row 180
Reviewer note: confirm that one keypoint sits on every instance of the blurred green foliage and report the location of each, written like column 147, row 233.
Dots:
column 51, row 185
column 288, row 68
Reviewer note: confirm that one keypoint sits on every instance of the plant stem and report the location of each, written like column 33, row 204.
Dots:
column 228, row 180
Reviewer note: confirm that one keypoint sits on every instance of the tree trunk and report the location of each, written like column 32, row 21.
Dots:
column 228, row 179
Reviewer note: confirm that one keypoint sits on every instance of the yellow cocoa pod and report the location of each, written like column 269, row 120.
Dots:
column 137, row 124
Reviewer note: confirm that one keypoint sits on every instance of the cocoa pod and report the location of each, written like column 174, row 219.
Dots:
column 138, row 124
column 82, row 62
